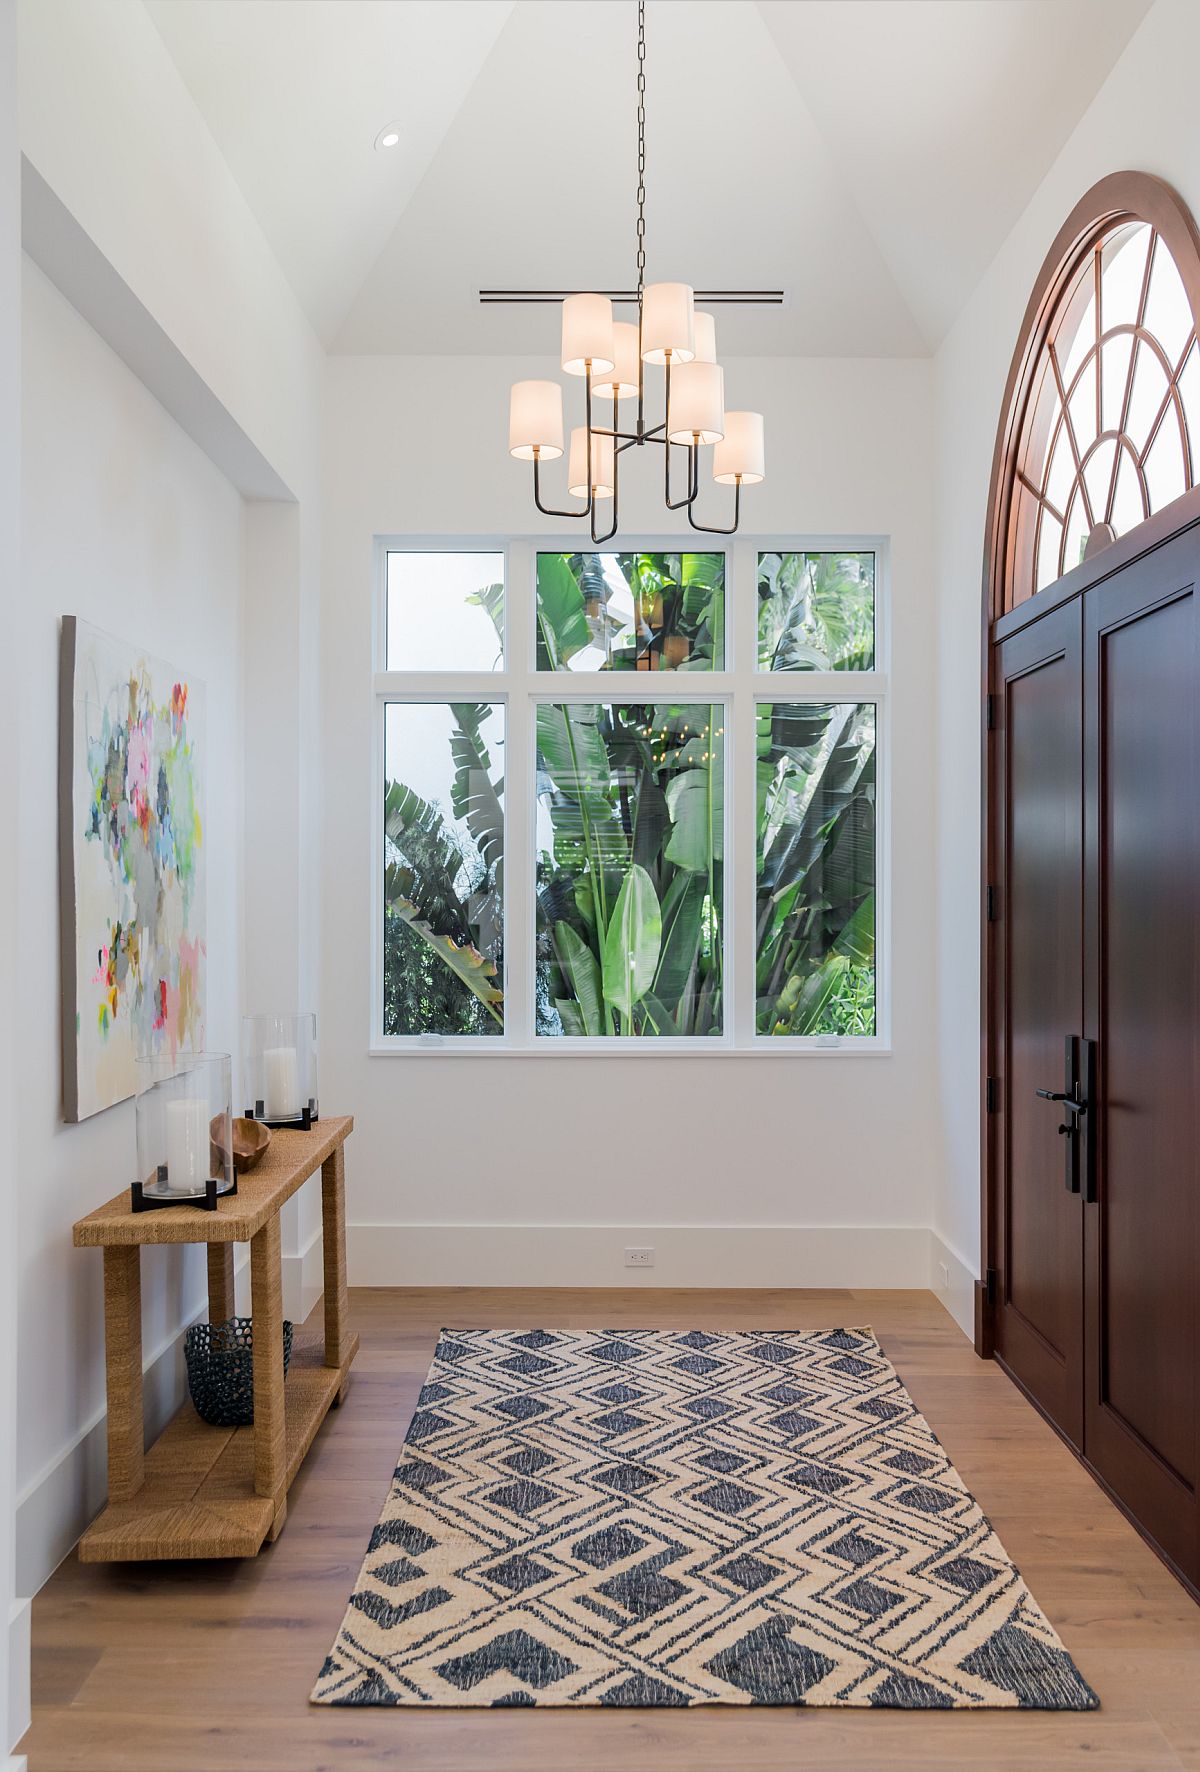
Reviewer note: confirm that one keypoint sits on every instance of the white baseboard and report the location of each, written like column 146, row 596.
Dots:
column 20, row 1619
column 952, row 1280
column 774, row 1255
column 54, row 1509
column 303, row 1278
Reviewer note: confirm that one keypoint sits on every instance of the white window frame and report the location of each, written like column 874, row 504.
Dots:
column 519, row 687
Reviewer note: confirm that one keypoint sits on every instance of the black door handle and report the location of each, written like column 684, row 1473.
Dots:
column 1076, row 1106
column 1080, row 1151
column 1069, row 1102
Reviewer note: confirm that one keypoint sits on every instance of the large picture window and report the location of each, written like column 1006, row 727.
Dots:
column 630, row 796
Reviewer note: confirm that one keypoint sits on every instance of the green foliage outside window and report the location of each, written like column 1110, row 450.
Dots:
column 630, row 876
column 816, row 612
column 815, row 910
column 627, row 612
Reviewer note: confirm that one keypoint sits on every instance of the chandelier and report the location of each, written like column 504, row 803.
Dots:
column 611, row 356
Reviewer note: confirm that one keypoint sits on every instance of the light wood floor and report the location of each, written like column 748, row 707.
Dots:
column 157, row 1667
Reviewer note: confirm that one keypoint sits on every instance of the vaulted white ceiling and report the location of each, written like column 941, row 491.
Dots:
column 867, row 156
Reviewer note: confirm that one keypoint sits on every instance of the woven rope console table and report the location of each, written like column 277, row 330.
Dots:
column 204, row 1491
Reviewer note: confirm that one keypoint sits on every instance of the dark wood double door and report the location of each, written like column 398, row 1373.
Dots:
column 1094, row 1200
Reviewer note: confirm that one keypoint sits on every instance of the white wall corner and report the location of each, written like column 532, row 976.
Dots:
column 952, row 1280
column 20, row 1621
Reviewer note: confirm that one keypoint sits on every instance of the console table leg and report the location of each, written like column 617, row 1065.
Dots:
column 220, row 1282
column 333, row 1227
column 123, row 1369
column 266, row 1304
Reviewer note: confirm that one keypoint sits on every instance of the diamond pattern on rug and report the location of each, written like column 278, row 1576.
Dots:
column 662, row 1517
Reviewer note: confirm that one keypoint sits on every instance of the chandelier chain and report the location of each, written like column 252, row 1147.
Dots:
column 641, row 123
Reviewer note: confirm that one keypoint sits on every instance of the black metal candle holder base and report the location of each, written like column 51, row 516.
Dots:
column 144, row 1199
column 304, row 1121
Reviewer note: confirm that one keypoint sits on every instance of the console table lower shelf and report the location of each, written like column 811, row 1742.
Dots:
column 197, row 1497
column 203, row 1491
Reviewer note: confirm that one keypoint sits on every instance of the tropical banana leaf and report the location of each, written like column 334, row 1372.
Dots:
column 562, row 624
column 633, row 942
column 580, row 967
column 473, row 795
column 856, row 939
column 696, row 802
column 682, row 924
column 573, row 752
column 465, row 961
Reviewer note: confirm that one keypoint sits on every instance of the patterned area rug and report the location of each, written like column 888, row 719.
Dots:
column 668, row 1517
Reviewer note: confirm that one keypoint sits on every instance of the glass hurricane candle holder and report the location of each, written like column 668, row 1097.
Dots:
column 184, row 1130
column 279, row 1056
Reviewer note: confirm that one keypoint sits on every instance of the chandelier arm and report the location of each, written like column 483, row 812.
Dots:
column 714, row 529
column 693, row 477
column 599, row 540
column 549, row 510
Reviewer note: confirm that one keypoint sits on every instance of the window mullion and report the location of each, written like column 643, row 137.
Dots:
column 519, row 797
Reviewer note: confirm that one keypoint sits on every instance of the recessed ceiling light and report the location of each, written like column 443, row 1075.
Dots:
column 389, row 136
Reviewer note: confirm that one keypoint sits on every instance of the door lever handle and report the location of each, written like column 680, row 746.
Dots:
column 1069, row 1102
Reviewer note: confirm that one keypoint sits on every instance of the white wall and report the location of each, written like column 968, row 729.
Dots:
column 1144, row 119
column 447, row 1145
column 132, row 208
column 14, row 1641
column 127, row 524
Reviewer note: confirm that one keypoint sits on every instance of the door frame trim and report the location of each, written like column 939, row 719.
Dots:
column 1140, row 196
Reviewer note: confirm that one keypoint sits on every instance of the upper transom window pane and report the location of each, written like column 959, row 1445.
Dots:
column 1111, row 426
column 816, row 612
column 630, row 612
column 445, row 612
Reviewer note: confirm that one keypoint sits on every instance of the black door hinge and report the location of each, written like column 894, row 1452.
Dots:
column 993, row 712
column 993, row 910
column 993, row 1095
column 991, row 1287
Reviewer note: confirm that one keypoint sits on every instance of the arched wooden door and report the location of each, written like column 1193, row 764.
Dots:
column 1092, row 858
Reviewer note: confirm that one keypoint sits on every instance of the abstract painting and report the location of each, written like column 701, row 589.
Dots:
column 132, row 863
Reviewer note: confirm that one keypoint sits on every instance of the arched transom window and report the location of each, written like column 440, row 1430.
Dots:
column 1108, row 431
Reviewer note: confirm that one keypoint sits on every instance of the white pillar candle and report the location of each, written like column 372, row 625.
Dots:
column 187, row 1145
column 283, row 1082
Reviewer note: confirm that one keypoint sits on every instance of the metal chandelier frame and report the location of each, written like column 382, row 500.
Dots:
column 643, row 433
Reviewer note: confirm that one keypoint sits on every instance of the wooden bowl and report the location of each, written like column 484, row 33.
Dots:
column 250, row 1141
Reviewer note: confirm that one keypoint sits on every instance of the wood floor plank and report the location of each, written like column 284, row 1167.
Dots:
column 206, row 1667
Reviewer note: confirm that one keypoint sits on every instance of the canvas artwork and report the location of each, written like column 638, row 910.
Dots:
column 133, row 865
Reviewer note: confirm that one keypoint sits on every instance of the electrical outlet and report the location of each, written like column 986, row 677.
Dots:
column 639, row 1258
column 944, row 1271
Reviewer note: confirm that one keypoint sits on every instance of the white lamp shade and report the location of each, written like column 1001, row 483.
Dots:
column 535, row 420
column 603, row 465
column 697, row 410
column 587, row 334
column 704, row 335
column 667, row 323
column 740, row 455
column 622, row 380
